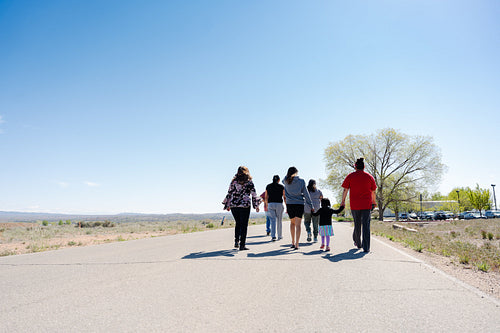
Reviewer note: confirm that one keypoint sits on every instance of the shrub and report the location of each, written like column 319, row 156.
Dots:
column 7, row 253
column 71, row 243
column 464, row 259
column 60, row 222
column 483, row 234
column 483, row 267
column 105, row 224
column 210, row 225
column 419, row 247
column 454, row 234
column 487, row 246
column 108, row 224
column 490, row 236
column 45, row 223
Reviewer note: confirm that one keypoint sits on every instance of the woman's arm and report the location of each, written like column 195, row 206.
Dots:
column 256, row 200
column 344, row 195
column 227, row 199
column 266, row 200
column 305, row 192
column 374, row 200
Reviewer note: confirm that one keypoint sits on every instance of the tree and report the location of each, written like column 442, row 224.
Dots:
column 403, row 200
column 397, row 161
column 479, row 198
column 463, row 202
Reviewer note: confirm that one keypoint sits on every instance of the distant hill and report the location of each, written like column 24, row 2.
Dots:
column 118, row 218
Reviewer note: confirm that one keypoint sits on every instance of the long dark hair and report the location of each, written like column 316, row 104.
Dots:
column 243, row 175
column 292, row 172
column 311, row 186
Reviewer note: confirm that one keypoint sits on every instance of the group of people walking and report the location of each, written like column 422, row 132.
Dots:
column 301, row 201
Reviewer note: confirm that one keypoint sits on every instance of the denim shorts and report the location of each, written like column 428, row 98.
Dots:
column 295, row 210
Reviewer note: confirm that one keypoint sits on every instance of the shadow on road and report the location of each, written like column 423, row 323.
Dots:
column 352, row 254
column 201, row 255
column 274, row 253
column 259, row 243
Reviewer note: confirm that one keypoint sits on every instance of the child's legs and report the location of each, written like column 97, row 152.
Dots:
column 327, row 241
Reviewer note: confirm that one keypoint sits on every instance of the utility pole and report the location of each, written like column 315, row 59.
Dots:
column 420, row 206
column 458, row 201
column 494, row 197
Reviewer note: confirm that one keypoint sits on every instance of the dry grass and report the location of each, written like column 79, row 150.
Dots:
column 473, row 243
column 19, row 238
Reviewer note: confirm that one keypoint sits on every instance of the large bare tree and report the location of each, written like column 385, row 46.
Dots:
column 400, row 163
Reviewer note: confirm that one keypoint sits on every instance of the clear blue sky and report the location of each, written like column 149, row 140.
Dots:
column 150, row 106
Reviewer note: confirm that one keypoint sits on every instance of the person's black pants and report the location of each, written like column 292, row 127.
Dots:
column 361, row 226
column 241, row 216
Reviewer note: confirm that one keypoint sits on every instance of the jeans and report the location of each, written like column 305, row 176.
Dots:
column 275, row 213
column 361, row 225
column 268, row 223
column 241, row 216
column 307, row 222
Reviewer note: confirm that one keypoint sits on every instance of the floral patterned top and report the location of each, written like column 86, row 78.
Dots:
column 238, row 195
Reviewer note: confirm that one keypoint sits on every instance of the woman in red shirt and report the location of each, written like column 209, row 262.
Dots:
column 363, row 200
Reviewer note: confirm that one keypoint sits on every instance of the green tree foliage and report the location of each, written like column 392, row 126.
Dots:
column 400, row 163
column 403, row 200
column 463, row 203
column 479, row 198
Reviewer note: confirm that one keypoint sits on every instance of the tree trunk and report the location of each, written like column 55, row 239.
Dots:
column 381, row 209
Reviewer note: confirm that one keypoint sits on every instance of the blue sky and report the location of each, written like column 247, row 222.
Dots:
column 150, row 106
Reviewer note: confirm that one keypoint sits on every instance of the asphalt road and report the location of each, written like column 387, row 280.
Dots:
column 199, row 283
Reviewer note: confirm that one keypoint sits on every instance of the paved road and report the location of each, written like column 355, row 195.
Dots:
column 198, row 283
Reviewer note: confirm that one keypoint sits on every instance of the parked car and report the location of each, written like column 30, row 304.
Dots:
column 403, row 216
column 427, row 216
column 439, row 216
column 413, row 216
column 492, row 214
column 450, row 215
column 469, row 216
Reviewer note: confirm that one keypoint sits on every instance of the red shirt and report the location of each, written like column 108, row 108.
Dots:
column 361, row 185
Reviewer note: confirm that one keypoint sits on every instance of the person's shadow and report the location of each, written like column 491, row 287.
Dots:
column 214, row 254
column 352, row 254
column 258, row 242
column 273, row 253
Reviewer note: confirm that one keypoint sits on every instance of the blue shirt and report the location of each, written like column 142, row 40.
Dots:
column 296, row 193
